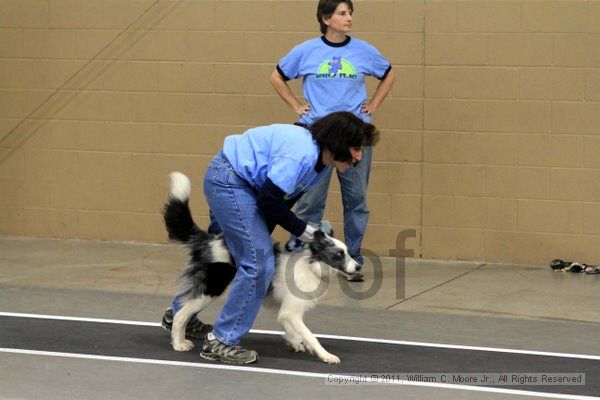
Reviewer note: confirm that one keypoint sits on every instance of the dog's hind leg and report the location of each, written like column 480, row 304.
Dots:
column 292, row 322
column 181, row 319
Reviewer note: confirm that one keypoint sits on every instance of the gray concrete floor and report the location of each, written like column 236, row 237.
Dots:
column 511, row 306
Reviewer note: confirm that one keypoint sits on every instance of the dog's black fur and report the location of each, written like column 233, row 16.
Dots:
column 206, row 276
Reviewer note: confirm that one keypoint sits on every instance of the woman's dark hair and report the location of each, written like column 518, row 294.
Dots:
column 340, row 131
column 326, row 8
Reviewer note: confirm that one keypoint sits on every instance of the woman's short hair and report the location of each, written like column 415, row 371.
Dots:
column 326, row 8
column 340, row 131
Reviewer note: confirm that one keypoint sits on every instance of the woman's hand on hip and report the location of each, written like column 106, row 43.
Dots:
column 368, row 109
column 303, row 109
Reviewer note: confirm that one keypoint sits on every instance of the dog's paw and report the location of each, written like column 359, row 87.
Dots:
column 297, row 347
column 186, row 345
column 330, row 358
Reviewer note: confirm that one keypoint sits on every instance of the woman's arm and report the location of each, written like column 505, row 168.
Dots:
column 277, row 211
column 382, row 90
column 284, row 91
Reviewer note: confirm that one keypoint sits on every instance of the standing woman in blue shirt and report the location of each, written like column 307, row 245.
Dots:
column 333, row 68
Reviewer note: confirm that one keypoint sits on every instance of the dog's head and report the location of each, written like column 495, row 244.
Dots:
column 333, row 252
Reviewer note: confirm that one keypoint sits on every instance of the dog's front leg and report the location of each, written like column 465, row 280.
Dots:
column 293, row 322
column 293, row 338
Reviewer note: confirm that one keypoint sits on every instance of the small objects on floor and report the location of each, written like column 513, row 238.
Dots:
column 560, row 265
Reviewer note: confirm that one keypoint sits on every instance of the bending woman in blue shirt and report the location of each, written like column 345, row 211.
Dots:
column 333, row 68
column 250, row 187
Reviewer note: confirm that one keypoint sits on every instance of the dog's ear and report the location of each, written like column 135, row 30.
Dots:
column 318, row 244
column 319, row 235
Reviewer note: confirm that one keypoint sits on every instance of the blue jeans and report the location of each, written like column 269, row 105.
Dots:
column 353, row 184
column 234, row 212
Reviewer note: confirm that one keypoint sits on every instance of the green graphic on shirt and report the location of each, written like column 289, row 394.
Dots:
column 336, row 67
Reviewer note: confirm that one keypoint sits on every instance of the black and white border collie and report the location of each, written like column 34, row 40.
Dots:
column 211, row 268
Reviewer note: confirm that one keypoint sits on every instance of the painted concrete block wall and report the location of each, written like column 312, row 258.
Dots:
column 490, row 136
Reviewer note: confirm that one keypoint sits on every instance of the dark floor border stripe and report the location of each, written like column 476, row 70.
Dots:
column 325, row 336
column 131, row 340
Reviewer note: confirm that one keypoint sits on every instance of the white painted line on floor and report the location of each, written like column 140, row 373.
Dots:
column 351, row 338
column 79, row 319
column 461, row 347
column 292, row 373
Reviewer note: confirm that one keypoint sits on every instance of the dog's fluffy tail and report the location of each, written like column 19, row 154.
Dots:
column 177, row 214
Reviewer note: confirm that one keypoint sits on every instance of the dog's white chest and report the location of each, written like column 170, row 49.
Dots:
column 300, row 280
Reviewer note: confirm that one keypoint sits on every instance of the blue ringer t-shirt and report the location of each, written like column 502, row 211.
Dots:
column 334, row 74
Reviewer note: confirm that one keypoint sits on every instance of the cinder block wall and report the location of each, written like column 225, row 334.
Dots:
column 490, row 139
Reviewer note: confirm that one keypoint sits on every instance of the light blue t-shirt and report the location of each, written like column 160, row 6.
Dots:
column 286, row 154
column 334, row 74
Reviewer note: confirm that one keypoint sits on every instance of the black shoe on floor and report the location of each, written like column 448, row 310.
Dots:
column 356, row 277
column 195, row 329
column 215, row 350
